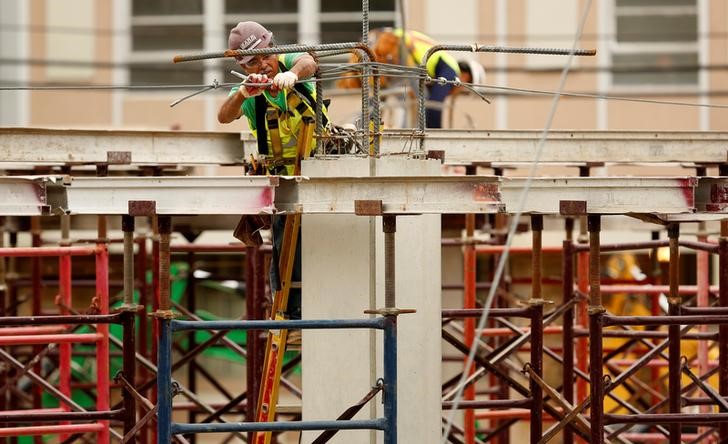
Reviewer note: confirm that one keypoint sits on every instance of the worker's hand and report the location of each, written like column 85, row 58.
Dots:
column 285, row 80
column 250, row 86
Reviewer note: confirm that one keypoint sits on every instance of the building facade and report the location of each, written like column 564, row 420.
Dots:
column 661, row 50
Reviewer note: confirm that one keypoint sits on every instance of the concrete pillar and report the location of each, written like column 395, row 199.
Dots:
column 339, row 367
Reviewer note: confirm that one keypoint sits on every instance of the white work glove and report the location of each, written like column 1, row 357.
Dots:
column 250, row 88
column 285, row 80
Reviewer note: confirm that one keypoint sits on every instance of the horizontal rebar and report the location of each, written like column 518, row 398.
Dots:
column 283, row 49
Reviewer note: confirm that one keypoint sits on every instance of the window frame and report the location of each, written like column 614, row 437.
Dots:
column 141, row 57
column 614, row 47
column 320, row 18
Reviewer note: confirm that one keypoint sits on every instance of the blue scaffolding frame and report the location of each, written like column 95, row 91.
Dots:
column 388, row 423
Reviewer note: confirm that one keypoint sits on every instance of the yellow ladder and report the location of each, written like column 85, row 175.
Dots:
column 276, row 344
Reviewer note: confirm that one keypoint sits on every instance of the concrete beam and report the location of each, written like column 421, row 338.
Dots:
column 603, row 195
column 78, row 147
column 513, row 147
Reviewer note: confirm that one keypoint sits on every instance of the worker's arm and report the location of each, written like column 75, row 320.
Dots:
column 231, row 109
column 304, row 67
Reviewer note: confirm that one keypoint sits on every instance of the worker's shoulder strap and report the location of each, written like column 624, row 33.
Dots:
column 305, row 92
column 261, row 106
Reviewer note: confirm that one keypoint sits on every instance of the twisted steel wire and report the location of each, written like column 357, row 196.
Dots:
column 485, row 48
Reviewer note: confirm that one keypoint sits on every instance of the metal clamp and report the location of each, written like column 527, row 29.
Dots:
column 390, row 311
column 163, row 314
column 134, row 308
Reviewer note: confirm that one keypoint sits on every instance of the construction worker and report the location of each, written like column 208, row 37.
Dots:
column 471, row 72
column 275, row 104
column 387, row 44
column 271, row 99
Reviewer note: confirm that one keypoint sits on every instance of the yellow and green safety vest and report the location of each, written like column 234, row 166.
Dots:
column 281, row 120
column 418, row 44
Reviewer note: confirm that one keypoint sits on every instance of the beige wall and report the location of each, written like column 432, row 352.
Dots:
column 151, row 110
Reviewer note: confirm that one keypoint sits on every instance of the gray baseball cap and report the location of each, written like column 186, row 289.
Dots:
column 248, row 35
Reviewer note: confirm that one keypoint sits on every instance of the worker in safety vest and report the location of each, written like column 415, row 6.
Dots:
column 274, row 103
column 387, row 44
column 473, row 73
column 272, row 99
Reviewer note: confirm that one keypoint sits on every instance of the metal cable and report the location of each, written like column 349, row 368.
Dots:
column 514, row 220
column 391, row 69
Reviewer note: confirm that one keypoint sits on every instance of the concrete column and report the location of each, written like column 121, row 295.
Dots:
column 339, row 367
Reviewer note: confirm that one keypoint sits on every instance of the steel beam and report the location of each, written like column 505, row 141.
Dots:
column 467, row 146
column 399, row 195
column 164, row 195
column 78, row 147
column 22, row 196
column 603, row 195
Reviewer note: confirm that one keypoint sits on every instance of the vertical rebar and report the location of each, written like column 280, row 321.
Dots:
column 389, row 225
column 129, row 367
column 723, row 329
column 103, row 384
column 165, row 230
column 568, row 332
column 129, row 312
column 536, row 306
column 582, row 317
column 655, row 310
column 319, row 116
column 127, row 226
column 536, row 255
column 674, row 364
column 469, row 278
column 595, row 332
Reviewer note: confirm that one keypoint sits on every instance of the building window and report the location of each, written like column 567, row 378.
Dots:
column 341, row 19
column 655, row 43
column 161, row 29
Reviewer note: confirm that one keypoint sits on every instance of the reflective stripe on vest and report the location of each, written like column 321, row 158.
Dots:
column 418, row 44
column 282, row 128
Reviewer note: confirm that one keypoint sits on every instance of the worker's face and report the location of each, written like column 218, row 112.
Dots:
column 262, row 64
